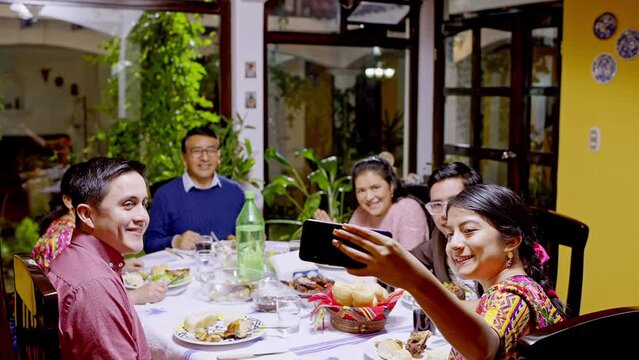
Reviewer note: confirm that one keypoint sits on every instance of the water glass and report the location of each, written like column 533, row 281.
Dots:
column 205, row 261
column 206, row 243
column 288, row 310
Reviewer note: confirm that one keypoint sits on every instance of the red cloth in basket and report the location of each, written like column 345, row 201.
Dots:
column 325, row 300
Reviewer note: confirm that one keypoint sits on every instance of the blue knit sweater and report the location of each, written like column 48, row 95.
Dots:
column 174, row 211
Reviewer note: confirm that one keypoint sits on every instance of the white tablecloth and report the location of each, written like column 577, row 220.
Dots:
column 161, row 319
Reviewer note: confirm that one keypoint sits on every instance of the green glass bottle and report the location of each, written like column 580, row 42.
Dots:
column 251, row 240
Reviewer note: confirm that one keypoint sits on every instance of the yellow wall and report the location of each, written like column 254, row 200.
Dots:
column 601, row 188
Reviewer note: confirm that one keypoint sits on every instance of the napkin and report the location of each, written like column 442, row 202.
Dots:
column 286, row 265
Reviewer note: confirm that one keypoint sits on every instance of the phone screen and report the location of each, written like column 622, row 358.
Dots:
column 316, row 244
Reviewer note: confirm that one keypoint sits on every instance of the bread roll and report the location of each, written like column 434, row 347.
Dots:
column 380, row 293
column 343, row 293
column 364, row 298
column 191, row 322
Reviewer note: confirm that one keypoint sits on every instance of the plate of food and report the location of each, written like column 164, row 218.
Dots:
column 307, row 285
column 175, row 278
column 407, row 345
column 219, row 329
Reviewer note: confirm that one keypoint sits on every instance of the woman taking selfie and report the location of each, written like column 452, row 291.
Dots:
column 491, row 240
column 382, row 203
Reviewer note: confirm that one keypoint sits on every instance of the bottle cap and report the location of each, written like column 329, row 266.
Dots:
column 249, row 195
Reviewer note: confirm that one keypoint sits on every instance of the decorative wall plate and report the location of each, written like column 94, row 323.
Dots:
column 604, row 68
column 628, row 44
column 605, row 26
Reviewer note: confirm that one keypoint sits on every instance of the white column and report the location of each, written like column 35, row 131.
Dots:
column 425, row 88
column 247, row 45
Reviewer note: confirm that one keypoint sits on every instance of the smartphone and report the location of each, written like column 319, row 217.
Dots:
column 316, row 244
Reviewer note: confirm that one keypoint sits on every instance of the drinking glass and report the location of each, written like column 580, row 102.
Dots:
column 206, row 243
column 288, row 310
column 205, row 261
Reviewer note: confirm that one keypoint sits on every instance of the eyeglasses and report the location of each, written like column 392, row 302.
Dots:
column 198, row 152
column 436, row 207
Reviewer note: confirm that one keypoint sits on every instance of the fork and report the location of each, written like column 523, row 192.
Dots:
column 177, row 279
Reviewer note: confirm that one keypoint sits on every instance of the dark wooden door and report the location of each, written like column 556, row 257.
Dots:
column 498, row 106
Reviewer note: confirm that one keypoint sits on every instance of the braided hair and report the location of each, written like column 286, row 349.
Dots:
column 508, row 214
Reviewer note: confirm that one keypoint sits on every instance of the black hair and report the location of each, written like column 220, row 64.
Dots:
column 91, row 181
column 452, row 170
column 204, row 130
column 507, row 213
column 57, row 206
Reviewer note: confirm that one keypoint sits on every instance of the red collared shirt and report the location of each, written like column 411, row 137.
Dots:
column 97, row 319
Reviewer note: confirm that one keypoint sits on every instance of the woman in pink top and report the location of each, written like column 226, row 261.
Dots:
column 384, row 205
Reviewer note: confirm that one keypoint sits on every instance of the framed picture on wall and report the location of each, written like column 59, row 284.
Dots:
column 250, row 100
column 250, row 69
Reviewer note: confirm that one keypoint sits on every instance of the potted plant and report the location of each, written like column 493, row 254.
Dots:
column 306, row 195
column 166, row 86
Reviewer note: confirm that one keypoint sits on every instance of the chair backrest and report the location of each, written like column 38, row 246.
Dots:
column 36, row 311
column 555, row 229
column 6, row 343
column 610, row 333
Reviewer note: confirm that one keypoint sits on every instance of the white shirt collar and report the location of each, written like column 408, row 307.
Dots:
column 188, row 182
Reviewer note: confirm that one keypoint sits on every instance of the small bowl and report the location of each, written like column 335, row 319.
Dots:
column 227, row 286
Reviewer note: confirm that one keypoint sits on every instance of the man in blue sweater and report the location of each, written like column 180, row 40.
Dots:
column 197, row 203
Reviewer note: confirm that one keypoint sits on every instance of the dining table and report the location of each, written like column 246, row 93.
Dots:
column 160, row 321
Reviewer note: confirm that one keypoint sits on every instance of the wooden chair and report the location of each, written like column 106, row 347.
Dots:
column 36, row 311
column 606, row 334
column 555, row 229
column 6, row 343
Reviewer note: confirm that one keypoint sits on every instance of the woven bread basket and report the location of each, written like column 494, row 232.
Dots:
column 358, row 326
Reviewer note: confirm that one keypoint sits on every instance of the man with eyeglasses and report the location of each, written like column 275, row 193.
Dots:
column 444, row 184
column 200, row 202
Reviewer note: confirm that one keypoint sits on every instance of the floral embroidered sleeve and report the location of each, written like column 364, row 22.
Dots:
column 53, row 242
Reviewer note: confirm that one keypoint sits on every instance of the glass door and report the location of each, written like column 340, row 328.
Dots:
column 500, row 93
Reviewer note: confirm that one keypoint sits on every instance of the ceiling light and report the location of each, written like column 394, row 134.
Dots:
column 379, row 72
column 369, row 72
column 389, row 73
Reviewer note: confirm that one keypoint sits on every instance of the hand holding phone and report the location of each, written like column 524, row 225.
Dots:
column 316, row 244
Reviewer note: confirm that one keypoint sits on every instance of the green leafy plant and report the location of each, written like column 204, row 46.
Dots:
column 236, row 159
column 306, row 196
column 26, row 235
column 166, row 85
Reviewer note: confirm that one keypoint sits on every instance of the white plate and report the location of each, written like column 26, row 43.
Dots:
column 172, row 286
column 434, row 345
column 189, row 337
